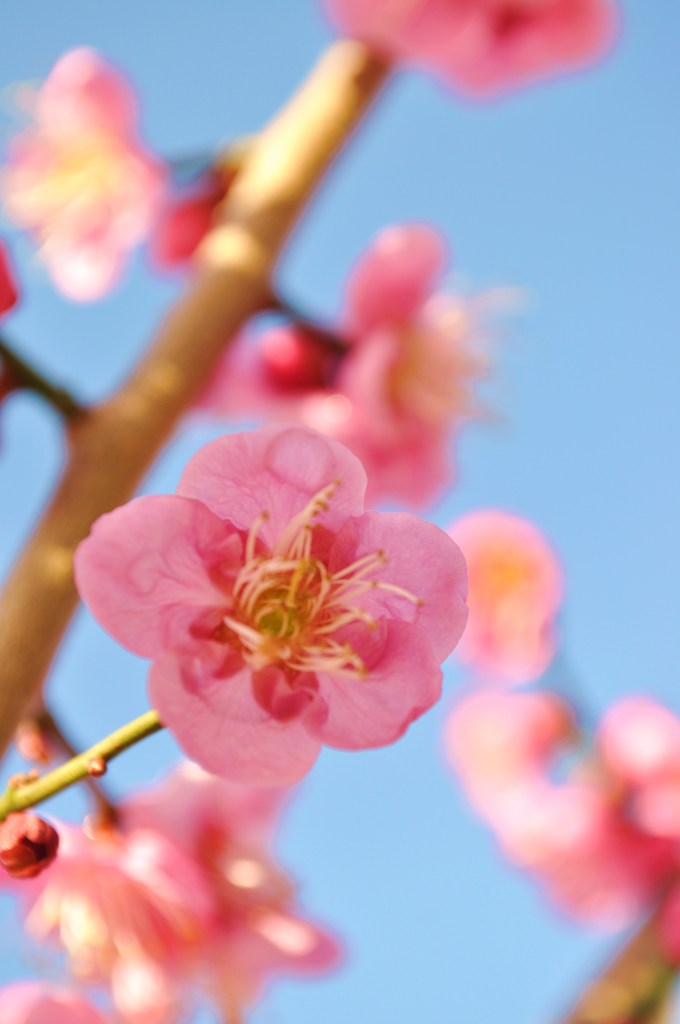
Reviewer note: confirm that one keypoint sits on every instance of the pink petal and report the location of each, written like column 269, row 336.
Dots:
column 640, row 740
column 84, row 92
column 401, row 684
column 34, row 1002
column 276, row 470
column 218, row 723
column 84, row 272
column 149, row 570
column 421, row 559
column 394, row 276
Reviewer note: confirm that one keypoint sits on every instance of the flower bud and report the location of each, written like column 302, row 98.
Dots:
column 295, row 360
column 27, row 845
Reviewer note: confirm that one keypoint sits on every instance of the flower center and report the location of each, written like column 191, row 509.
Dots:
column 288, row 606
column 78, row 173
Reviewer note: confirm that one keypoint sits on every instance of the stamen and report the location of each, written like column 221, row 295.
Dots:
column 288, row 607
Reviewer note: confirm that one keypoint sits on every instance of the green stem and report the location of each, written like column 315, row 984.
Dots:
column 78, row 767
column 47, row 723
column 27, row 377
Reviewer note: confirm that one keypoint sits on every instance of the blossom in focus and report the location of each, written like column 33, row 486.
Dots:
column 256, row 928
column 399, row 394
column 130, row 911
column 9, row 293
column 279, row 615
column 79, row 180
column 482, row 46
column 515, row 593
column 33, row 1002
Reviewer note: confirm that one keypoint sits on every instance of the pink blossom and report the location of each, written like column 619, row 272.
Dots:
column 483, row 46
column 399, row 395
column 33, row 1002
column 79, row 179
column 227, row 829
column 639, row 743
column 503, row 744
column 279, row 614
column 515, row 594
column 590, row 859
column 130, row 911
column 575, row 832
column 9, row 293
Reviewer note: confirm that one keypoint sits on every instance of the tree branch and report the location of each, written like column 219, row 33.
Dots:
column 111, row 448
column 634, row 988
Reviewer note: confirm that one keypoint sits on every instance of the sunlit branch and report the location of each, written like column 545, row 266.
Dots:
column 634, row 988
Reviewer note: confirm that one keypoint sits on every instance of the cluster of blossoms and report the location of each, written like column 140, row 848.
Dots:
column 400, row 384
column 181, row 900
column 595, row 822
column 279, row 614
column 601, row 833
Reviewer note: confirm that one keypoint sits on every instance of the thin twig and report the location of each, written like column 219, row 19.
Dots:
column 28, row 377
column 78, row 767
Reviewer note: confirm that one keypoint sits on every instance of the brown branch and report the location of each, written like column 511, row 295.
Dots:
column 634, row 988
column 112, row 446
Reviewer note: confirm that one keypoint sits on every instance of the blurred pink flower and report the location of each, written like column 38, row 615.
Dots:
column 33, row 1002
column 256, row 928
column 573, row 831
column 400, row 392
column 79, row 180
column 591, row 861
column 9, row 292
column 483, row 46
column 131, row 911
column 502, row 744
column 515, row 593
column 639, row 744
column 279, row 615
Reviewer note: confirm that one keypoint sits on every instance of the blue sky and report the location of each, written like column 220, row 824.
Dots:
column 569, row 191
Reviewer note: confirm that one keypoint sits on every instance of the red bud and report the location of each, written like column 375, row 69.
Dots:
column 27, row 845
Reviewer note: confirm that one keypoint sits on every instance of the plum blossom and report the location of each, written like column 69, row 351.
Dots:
column 256, row 929
column 33, row 1002
column 572, row 827
column 79, row 180
column 279, row 615
column 639, row 745
column 402, row 388
column 9, row 293
column 515, row 593
column 482, row 46
column 131, row 912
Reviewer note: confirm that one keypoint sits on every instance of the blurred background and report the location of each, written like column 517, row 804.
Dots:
column 569, row 191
